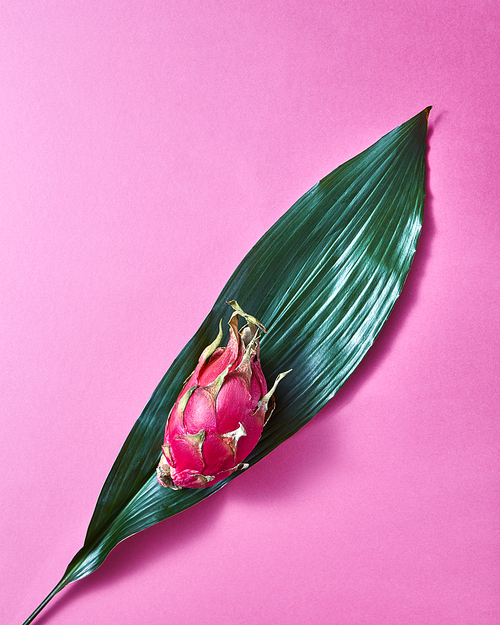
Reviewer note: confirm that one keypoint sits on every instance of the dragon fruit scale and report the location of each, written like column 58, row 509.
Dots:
column 219, row 415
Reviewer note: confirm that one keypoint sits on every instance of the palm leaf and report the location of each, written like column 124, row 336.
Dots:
column 323, row 279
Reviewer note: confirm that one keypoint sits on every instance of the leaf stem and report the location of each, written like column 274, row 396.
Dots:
column 60, row 586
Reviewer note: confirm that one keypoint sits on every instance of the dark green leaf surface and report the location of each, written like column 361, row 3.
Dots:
column 323, row 280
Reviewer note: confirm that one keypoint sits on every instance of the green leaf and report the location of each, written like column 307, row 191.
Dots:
column 323, row 280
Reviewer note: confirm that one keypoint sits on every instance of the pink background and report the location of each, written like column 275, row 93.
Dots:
column 145, row 147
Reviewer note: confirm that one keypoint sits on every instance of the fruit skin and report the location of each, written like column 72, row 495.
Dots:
column 219, row 415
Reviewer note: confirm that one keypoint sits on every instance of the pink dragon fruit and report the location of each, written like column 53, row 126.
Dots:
column 219, row 415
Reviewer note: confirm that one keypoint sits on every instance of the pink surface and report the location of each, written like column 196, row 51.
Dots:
column 145, row 147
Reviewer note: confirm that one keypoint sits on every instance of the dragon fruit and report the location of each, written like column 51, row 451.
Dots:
column 219, row 415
